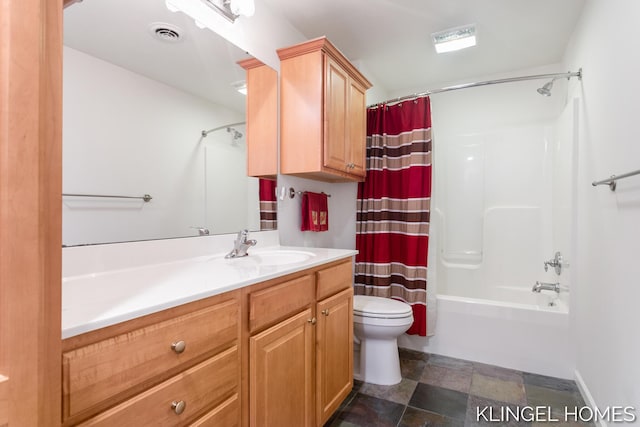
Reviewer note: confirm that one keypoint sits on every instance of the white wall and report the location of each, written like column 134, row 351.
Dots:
column 342, row 214
column 124, row 134
column 607, row 292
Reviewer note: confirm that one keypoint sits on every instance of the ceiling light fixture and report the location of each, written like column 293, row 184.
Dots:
column 230, row 9
column 454, row 39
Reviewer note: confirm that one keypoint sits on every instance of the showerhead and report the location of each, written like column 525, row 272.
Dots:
column 546, row 89
column 236, row 134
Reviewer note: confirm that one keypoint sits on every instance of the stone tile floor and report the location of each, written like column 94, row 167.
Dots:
column 443, row 391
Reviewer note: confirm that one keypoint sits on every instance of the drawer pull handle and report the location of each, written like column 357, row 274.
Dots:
column 179, row 406
column 178, row 346
column 325, row 312
column 312, row 320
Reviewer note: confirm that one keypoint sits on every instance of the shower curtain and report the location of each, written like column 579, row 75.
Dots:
column 392, row 228
column 268, row 205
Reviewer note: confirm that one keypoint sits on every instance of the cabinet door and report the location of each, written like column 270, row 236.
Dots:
column 335, row 116
column 262, row 119
column 334, row 359
column 357, row 138
column 281, row 374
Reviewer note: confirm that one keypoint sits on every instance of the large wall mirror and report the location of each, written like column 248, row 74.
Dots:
column 140, row 85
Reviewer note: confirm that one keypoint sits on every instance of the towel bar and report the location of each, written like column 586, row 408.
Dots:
column 611, row 182
column 293, row 192
column 146, row 197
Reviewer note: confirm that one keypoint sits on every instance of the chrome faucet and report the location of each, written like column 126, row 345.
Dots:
column 542, row 286
column 202, row 231
column 241, row 245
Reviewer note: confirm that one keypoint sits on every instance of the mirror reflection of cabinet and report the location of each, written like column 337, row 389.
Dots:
column 322, row 113
column 141, row 84
column 262, row 119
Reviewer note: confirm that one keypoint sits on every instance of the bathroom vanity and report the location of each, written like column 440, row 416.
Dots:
column 266, row 340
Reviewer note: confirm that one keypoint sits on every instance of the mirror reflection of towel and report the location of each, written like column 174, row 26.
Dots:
column 315, row 212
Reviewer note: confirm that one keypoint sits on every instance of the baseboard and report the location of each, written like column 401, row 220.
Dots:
column 586, row 395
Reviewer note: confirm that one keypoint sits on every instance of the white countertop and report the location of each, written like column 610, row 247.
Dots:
column 93, row 301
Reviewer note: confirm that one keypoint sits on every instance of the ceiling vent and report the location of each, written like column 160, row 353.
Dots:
column 166, row 32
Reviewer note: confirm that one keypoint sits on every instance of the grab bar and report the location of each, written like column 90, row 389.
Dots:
column 146, row 197
column 611, row 182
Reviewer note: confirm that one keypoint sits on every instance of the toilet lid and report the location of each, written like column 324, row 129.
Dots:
column 369, row 306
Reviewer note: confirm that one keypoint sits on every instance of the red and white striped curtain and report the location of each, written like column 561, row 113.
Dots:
column 268, row 205
column 393, row 207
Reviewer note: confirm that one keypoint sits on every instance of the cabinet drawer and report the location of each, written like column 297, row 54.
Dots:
column 107, row 369
column 227, row 414
column 200, row 387
column 279, row 301
column 334, row 279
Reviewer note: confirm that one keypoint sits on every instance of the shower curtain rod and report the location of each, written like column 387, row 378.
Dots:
column 553, row 76
column 207, row 132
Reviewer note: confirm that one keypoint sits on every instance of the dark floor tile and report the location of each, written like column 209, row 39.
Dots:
column 451, row 363
column 549, row 382
column 562, row 424
column 453, row 379
column 560, row 401
column 450, row 403
column 498, row 372
column 414, row 417
column 399, row 393
column 368, row 411
column 408, row 354
column 498, row 389
column 488, row 412
column 412, row 369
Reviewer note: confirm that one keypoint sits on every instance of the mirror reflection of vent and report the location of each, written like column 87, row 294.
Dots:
column 166, row 32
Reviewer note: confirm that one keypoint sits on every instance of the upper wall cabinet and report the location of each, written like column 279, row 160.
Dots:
column 262, row 119
column 322, row 113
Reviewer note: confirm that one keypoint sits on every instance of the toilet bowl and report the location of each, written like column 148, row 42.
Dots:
column 377, row 323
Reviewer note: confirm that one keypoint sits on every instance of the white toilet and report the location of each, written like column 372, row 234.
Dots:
column 377, row 323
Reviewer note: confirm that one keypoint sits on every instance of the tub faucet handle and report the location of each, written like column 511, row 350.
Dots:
column 556, row 263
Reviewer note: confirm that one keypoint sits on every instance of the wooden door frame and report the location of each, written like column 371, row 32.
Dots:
column 30, row 212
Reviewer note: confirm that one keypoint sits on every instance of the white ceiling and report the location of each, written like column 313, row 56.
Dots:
column 392, row 38
column 389, row 39
column 117, row 31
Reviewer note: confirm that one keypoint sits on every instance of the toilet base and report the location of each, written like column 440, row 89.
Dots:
column 379, row 362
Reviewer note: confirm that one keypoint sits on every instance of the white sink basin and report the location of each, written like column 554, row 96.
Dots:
column 280, row 257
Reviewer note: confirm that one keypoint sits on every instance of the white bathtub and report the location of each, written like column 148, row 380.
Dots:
column 528, row 337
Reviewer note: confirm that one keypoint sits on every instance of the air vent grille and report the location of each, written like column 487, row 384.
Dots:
column 166, row 32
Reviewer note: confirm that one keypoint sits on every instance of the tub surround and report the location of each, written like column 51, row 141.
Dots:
column 107, row 284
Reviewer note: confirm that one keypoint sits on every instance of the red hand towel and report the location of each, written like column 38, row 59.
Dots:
column 315, row 212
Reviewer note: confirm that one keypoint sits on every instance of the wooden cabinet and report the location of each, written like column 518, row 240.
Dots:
column 301, row 348
column 334, row 350
column 132, row 373
column 277, row 353
column 322, row 113
column 281, row 373
column 262, row 119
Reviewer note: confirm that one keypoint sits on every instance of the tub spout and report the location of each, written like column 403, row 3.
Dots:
column 542, row 286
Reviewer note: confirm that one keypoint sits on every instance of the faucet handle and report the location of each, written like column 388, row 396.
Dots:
column 557, row 263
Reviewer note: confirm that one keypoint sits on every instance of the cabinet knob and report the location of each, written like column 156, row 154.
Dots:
column 178, row 406
column 313, row 320
column 325, row 312
column 178, row 346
